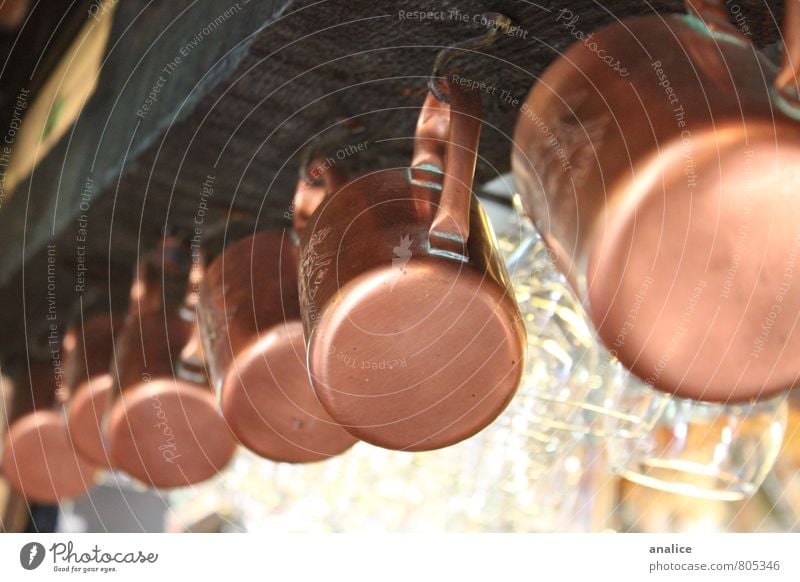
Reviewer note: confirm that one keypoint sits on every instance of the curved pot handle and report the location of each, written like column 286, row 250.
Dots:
column 714, row 14
column 191, row 362
column 446, row 143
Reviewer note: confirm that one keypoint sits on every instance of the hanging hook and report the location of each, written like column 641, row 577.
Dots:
column 498, row 23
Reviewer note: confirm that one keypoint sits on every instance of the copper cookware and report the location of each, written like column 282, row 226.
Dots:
column 39, row 460
column 319, row 176
column 413, row 335
column 163, row 427
column 256, row 353
column 88, row 353
column 12, row 13
column 660, row 159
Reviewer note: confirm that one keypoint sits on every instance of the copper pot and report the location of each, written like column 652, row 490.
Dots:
column 319, row 176
column 163, row 426
column 659, row 159
column 256, row 353
column 414, row 339
column 88, row 353
column 12, row 13
column 39, row 460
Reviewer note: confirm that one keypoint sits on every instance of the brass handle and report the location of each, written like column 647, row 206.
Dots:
column 192, row 363
column 714, row 15
column 446, row 142
column 449, row 230
column 430, row 137
column 787, row 84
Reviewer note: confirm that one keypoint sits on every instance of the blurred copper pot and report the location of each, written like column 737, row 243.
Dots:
column 414, row 338
column 318, row 177
column 88, row 354
column 256, row 354
column 12, row 13
column 39, row 460
column 660, row 159
column 163, row 427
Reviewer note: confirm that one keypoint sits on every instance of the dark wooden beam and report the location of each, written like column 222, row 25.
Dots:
column 238, row 110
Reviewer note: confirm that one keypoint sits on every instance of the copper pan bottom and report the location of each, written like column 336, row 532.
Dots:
column 270, row 406
column 85, row 418
column 693, row 281
column 39, row 460
column 168, row 433
column 417, row 359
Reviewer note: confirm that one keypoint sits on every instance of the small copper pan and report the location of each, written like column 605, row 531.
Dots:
column 163, row 428
column 414, row 338
column 39, row 460
column 88, row 353
column 660, row 159
column 256, row 353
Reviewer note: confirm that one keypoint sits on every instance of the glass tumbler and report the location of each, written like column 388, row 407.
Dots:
column 713, row 451
column 571, row 384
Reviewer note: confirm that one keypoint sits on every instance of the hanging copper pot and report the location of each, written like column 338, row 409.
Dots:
column 163, row 426
column 88, row 354
column 12, row 14
column 256, row 354
column 414, row 339
column 319, row 176
column 659, row 159
column 39, row 460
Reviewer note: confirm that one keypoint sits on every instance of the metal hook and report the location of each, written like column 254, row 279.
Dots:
column 498, row 23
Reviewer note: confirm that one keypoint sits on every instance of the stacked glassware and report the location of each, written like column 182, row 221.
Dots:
column 548, row 463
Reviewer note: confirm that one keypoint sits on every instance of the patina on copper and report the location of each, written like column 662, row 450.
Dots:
column 163, row 429
column 88, row 350
column 414, row 339
column 256, row 353
column 39, row 460
column 667, row 186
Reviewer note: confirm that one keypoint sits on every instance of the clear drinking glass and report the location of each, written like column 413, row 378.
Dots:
column 713, row 451
column 539, row 467
column 571, row 383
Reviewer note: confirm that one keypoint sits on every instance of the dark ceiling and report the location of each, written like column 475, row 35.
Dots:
column 241, row 106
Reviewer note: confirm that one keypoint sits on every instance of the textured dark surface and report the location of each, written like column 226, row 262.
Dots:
column 240, row 108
